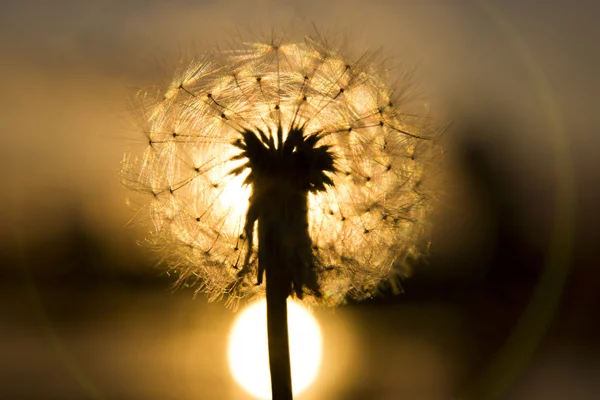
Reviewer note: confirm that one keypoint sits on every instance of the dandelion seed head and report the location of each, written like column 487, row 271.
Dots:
column 366, row 213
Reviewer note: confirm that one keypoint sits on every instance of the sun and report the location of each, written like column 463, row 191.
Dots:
column 248, row 351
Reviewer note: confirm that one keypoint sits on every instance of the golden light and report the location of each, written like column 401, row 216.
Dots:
column 248, row 351
column 365, row 224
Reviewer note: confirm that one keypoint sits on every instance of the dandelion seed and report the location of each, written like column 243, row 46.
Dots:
column 313, row 148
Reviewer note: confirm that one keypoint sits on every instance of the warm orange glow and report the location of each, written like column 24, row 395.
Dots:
column 248, row 351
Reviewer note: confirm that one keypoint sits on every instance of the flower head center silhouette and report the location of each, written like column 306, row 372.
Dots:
column 282, row 172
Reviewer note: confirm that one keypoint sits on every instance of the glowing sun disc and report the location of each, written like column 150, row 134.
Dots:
column 248, row 350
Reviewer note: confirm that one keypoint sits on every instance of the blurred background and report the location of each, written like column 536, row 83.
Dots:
column 86, row 313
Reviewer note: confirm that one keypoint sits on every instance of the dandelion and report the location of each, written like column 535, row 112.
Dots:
column 286, row 163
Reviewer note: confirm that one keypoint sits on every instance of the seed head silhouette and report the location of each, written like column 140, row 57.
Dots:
column 287, row 157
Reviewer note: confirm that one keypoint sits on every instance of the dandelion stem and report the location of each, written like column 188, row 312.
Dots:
column 277, row 331
column 282, row 221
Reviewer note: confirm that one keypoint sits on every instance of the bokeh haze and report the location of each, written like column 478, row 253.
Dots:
column 85, row 313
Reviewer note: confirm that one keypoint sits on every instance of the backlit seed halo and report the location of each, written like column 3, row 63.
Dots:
column 364, row 227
